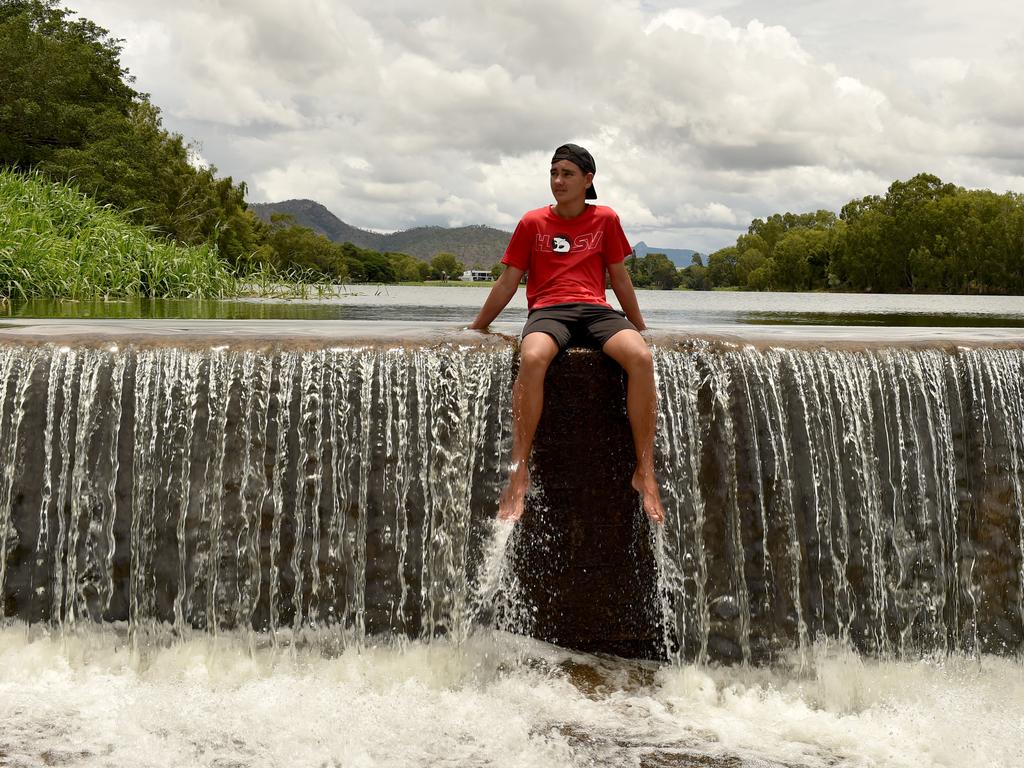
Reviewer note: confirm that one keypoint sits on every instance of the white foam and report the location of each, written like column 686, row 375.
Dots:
column 496, row 587
column 496, row 700
column 493, row 566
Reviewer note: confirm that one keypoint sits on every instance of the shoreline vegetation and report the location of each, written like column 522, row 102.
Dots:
column 98, row 200
column 922, row 236
column 56, row 242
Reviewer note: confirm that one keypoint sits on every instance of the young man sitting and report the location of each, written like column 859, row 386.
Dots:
column 565, row 250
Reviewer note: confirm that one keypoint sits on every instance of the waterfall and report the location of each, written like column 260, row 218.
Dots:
column 253, row 489
column 873, row 495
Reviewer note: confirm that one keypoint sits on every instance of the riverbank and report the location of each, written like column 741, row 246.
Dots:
column 58, row 243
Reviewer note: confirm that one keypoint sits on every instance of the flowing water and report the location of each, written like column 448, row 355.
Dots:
column 85, row 698
column 265, row 555
column 873, row 496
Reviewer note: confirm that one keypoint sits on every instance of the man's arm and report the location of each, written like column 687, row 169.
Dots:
column 501, row 294
column 624, row 292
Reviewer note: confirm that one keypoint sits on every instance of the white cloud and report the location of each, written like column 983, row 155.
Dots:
column 402, row 113
column 942, row 69
column 712, row 214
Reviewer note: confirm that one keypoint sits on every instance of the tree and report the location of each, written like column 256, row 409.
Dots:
column 722, row 267
column 377, row 268
column 136, row 165
column 770, row 230
column 58, row 77
column 367, row 266
column 801, row 259
column 296, row 247
column 444, row 266
column 862, row 263
column 749, row 242
column 67, row 108
column 792, row 271
column 408, row 269
column 923, row 235
column 497, row 270
column 695, row 277
column 762, row 278
column 748, row 261
column 655, row 270
column 633, row 266
column 661, row 273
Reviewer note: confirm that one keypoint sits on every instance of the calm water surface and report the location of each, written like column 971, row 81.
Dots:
column 660, row 308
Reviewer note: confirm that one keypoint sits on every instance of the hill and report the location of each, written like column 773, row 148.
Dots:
column 681, row 257
column 477, row 247
column 309, row 213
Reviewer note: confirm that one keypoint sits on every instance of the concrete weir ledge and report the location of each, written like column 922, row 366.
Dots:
column 315, row 333
column 586, row 558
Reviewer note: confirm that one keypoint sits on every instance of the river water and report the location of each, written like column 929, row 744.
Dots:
column 459, row 303
column 114, row 694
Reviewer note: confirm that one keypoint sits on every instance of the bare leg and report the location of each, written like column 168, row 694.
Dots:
column 629, row 350
column 535, row 355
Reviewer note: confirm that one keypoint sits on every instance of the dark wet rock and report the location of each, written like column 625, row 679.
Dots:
column 665, row 759
column 587, row 563
column 725, row 607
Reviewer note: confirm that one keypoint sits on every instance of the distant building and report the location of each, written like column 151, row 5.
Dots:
column 477, row 275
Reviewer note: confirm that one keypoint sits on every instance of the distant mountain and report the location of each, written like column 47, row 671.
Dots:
column 309, row 213
column 681, row 257
column 477, row 247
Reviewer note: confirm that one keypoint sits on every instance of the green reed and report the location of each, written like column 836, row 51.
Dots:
column 56, row 242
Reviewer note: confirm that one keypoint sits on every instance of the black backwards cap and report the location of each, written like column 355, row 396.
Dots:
column 574, row 153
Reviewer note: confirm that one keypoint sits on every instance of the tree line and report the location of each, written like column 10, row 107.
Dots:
column 922, row 236
column 69, row 110
column 310, row 251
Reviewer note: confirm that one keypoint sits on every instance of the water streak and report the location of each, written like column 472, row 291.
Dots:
column 870, row 496
column 841, row 494
column 256, row 486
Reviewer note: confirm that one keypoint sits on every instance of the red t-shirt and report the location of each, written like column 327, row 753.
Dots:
column 565, row 259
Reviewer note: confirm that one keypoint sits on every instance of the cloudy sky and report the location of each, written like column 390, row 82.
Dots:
column 398, row 113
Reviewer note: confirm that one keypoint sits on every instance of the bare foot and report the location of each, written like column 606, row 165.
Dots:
column 512, row 498
column 647, row 486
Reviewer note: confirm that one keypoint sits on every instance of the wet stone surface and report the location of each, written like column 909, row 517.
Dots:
column 587, row 562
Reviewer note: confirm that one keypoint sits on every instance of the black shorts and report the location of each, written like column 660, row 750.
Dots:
column 583, row 325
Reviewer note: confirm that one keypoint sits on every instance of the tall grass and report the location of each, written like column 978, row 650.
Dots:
column 269, row 282
column 56, row 242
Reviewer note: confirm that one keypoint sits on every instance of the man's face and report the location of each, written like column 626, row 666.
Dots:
column 568, row 181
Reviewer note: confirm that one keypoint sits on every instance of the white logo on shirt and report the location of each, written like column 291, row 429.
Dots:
column 562, row 243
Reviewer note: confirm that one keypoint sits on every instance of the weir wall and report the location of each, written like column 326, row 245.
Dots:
column 274, row 482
